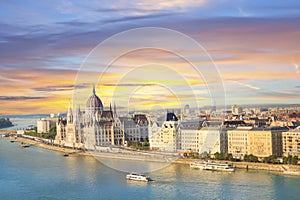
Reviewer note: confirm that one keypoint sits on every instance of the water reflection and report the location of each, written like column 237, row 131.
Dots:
column 132, row 165
column 80, row 167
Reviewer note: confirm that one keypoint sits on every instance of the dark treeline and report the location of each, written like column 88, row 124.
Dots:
column 5, row 123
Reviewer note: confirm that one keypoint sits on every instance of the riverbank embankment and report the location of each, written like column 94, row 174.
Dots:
column 282, row 168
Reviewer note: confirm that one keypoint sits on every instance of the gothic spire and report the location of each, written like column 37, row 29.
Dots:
column 115, row 109
column 69, row 108
column 70, row 114
column 94, row 90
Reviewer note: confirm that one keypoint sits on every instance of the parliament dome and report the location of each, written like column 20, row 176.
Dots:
column 94, row 101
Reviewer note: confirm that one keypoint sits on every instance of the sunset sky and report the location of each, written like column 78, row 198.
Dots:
column 45, row 47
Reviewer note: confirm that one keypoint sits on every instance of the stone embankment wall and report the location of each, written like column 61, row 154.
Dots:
column 292, row 169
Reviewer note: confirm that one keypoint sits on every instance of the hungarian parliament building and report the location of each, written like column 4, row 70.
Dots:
column 95, row 127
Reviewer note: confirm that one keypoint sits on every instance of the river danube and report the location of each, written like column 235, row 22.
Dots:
column 34, row 173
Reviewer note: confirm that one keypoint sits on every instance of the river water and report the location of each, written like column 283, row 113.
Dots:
column 22, row 122
column 34, row 173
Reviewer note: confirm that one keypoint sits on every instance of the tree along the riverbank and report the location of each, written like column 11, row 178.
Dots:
column 292, row 160
column 224, row 156
column 139, row 145
column 5, row 123
column 191, row 155
column 33, row 132
column 250, row 158
column 271, row 159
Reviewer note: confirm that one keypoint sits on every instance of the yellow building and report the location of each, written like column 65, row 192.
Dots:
column 238, row 142
column 266, row 141
column 291, row 142
column 261, row 142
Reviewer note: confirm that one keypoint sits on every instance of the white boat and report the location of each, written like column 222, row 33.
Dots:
column 5, row 135
column 138, row 177
column 213, row 166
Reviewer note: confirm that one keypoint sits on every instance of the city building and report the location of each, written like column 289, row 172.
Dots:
column 264, row 142
column 236, row 110
column 44, row 124
column 166, row 137
column 281, row 123
column 197, row 136
column 205, row 138
column 135, row 128
column 186, row 110
column 261, row 142
column 238, row 144
column 190, row 138
column 91, row 129
column 291, row 142
column 154, row 134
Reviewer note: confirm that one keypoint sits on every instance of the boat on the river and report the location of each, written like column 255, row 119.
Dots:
column 138, row 177
column 5, row 135
column 23, row 145
column 213, row 166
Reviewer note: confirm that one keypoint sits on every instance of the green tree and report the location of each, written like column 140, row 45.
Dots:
column 217, row 156
column 230, row 157
column 250, row 158
column 246, row 158
column 271, row 159
column 204, row 155
column 291, row 160
column 52, row 133
column 223, row 156
column 294, row 160
column 194, row 155
column 5, row 123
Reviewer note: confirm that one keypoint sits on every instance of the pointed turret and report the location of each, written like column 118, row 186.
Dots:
column 70, row 114
column 94, row 90
column 115, row 110
column 77, row 116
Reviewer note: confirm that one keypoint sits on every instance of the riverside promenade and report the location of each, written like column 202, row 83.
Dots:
column 115, row 153
column 281, row 168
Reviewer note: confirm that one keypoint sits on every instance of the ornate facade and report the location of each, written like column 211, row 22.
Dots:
column 92, row 128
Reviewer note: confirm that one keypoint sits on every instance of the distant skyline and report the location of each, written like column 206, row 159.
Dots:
column 254, row 44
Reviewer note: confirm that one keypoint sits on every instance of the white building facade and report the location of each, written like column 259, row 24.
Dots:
column 187, row 136
column 291, row 142
column 166, row 137
column 44, row 124
column 90, row 129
